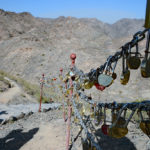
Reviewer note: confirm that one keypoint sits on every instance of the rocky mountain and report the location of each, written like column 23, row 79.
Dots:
column 31, row 46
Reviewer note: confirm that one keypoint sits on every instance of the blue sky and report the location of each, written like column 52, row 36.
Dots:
column 105, row 10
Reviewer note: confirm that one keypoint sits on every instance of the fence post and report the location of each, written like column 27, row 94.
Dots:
column 41, row 91
column 72, row 57
column 64, row 115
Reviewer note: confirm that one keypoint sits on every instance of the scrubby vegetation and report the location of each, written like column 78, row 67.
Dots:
column 29, row 88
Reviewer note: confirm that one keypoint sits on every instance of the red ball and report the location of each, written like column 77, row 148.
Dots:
column 73, row 56
column 99, row 87
column 104, row 129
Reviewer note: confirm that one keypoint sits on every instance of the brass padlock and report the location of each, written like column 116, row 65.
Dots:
column 119, row 129
column 133, row 61
column 125, row 72
column 145, row 127
column 145, row 65
column 88, row 84
column 145, row 124
column 105, row 79
column 125, row 76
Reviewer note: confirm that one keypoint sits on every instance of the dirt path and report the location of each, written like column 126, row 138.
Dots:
column 5, row 97
column 49, row 137
column 13, row 92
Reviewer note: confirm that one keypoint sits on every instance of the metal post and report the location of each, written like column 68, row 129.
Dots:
column 72, row 57
column 147, row 15
column 63, row 105
column 41, row 92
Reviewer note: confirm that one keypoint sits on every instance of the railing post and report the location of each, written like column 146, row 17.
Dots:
column 63, row 105
column 41, row 91
column 72, row 57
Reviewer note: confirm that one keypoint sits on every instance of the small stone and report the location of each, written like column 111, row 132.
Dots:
column 12, row 119
column 21, row 115
column 45, row 110
column 29, row 114
column 49, row 109
column 4, row 122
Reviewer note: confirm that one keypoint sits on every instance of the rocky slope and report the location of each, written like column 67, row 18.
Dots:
column 31, row 46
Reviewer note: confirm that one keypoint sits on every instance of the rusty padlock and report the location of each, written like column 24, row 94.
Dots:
column 133, row 58
column 125, row 72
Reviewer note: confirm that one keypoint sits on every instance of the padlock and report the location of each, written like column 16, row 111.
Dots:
column 145, row 68
column 145, row 127
column 86, row 109
column 67, row 77
column 78, row 86
column 99, row 87
column 88, row 84
column 124, row 79
column 145, row 124
column 105, row 79
column 105, row 127
column 98, row 116
column 119, row 129
column 133, row 58
column 125, row 72
column 91, row 146
column 87, row 145
column 145, row 65
column 113, row 74
column 79, row 106
column 114, row 115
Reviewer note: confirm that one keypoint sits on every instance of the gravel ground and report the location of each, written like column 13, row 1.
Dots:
column 47, row 131
column 6, row 111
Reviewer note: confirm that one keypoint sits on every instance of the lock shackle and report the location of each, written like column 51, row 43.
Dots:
column 131, row 115
column 141, row 115
column 107, row 63
column 125, row 112
column 137, row 49
column 120, row 112
column 114, row 67
column 124, row 62
column 129, row 48
column 104, row 114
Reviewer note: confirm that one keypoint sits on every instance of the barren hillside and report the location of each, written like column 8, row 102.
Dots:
column 31, row 46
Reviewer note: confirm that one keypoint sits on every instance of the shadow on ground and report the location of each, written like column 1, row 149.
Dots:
column 3, row 112
column 109, row 143
column 16, row 139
